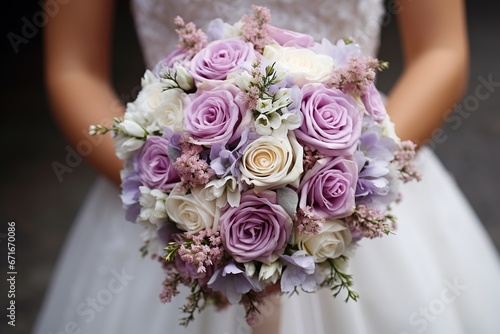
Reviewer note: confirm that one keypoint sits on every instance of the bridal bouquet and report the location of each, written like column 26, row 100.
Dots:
column 256, row 159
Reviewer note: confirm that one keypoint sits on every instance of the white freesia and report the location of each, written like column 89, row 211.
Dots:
column 192, row 212
column 270, row 272
column 241, row 79
column 303, row 65
column 330, row 243
column 280, row 73
column 271, row 162
column 170, row 112
column 223, row 191
column 126, row 147
column 233, row 30
column 282, row 99
column 249, row 268
column 132, row 128
column 152, row 206
column 389, row 129
column 183, row 78
column 264, row 106
column 265, row 124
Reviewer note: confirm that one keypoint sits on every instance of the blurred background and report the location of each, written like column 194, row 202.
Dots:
column 44, row 208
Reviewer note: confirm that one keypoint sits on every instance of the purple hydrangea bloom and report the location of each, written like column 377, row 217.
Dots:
column 377, row 180
column 224, row 160
column 130, row 194
column 299, row 271
column 340, row 51
column 167, row 231
column 233, row 282
column 215, row 30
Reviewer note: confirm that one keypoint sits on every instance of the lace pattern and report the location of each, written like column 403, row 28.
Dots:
column 334, row 19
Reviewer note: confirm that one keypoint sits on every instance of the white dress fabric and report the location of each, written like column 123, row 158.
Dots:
column 439, row 274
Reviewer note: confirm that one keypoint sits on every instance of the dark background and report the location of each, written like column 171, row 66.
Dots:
column 44, row 208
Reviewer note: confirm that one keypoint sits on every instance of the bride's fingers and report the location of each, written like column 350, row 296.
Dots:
column 268, row 321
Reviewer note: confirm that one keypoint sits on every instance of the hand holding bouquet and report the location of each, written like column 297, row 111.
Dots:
column 255, row 156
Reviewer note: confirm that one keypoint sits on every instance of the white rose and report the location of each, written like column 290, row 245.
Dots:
column 192, row 212
column 303, row 65
column 149, row 97
column 170, row 111
column 330, row 243
column 271, row 162
column 153, row 102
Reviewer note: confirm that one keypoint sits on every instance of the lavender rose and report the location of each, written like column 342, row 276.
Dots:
column 286, row 37
column 330, row 243
column 219, row 58
column 374, row 104
column 332, row 120
column 216, row 116
column 258, row 229
column 329, row 187
column 178, row 56
column 155, row 168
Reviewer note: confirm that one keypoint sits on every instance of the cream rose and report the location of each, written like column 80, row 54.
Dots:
column 170, row 111
column 191, row 212
column 156, row 106
column 303, row 65
column 330, row 243
column 272, row 162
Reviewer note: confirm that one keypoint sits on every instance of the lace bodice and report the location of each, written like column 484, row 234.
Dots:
column 334, row 19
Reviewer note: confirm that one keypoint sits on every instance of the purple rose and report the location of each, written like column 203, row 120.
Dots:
column 330, row 187
column 373, row 103
column 216, row 116
column 178, row 56
column 258, row 229
column 286, row 37
column 155, row 168
column 332, row 120
column 219, row 58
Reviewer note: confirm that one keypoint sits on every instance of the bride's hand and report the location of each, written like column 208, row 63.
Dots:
column 268, row 321
column 77, row 68
column 435, row 47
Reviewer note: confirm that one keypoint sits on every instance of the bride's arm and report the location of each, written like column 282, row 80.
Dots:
column 435, row 46
column 77, row 67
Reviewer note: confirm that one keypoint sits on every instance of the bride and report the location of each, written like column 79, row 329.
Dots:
column 438, row 274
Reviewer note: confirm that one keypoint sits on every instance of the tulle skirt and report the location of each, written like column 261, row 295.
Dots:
column 440, row 273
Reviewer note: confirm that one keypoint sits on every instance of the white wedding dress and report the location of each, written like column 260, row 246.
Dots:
column 438, row 274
